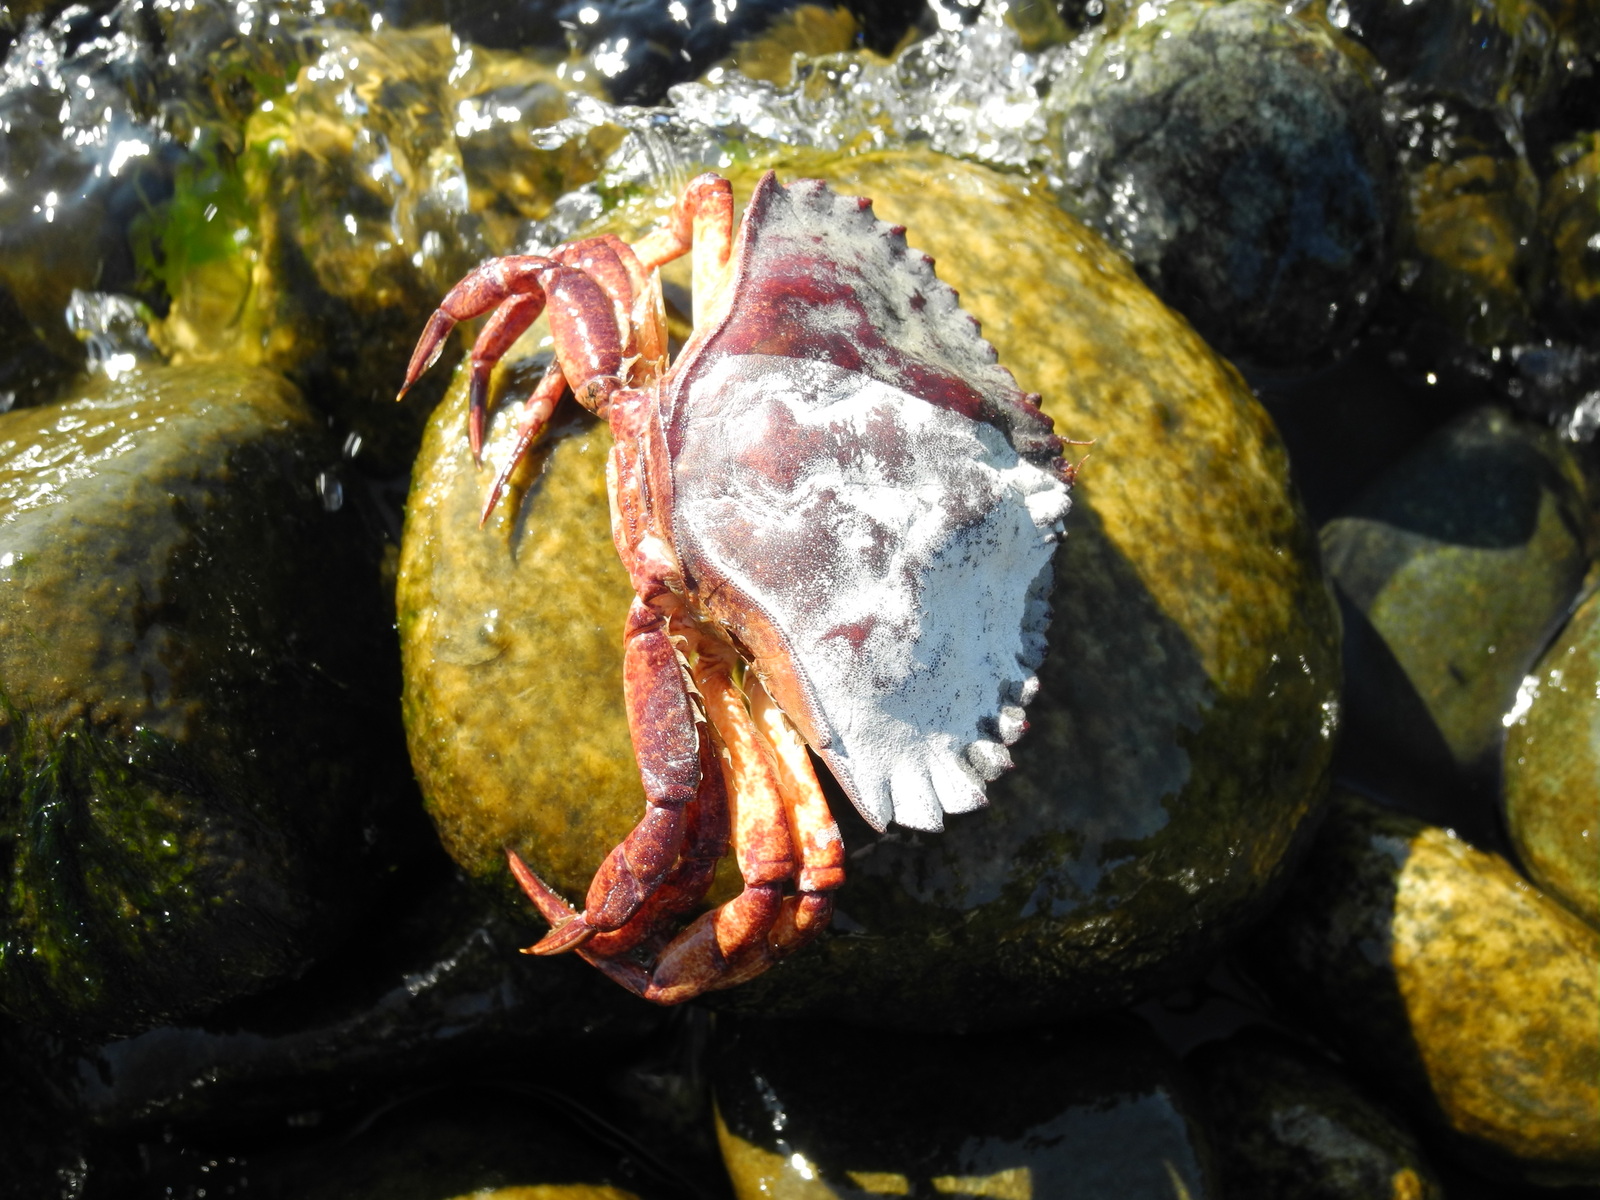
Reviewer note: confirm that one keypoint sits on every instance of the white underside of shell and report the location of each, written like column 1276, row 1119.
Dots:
column 905, row 552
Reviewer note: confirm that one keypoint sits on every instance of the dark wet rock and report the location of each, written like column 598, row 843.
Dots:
column 1453, row 570
column 1570, row 220
column 198, row 747
column 1552, row 766
column 1237, row 154
column 485, row 1141
column 1471, row 249
column 1286, row 1122
column 1187, row 705
column 810, row 1112
column 393, row 164
column 427, row 988
column 1486, row 52
column 1452, row 985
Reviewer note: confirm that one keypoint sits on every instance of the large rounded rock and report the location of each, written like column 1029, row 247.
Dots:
column 1452, row 984
column 1237, row 153
column 196, row 741
column 1097, row 1111
column 1288, row 1123
column 1552, row 766
column 1188, row 700
column 1453, row 569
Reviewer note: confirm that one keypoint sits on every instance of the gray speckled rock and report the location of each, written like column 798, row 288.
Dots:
column 1453, row 986
column 1237, row 154
column 1286, row 1122
column 1453, row 569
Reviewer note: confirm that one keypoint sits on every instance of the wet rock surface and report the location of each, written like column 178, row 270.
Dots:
column 1453, row 986
column 431, row 986
column 1552, row 802
column 1453, row 570
column 807, row 1112
column 176, row 605
column 1570, row 220
column 1236, row 154
column 1286, row 1122
column 1142, row 826
column 1471, row 255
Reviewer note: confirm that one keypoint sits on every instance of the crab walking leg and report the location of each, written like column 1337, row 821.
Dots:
column 536, row 412
column 817, row 843
column 666, row 742
column 716, row 943
column 508, row 323
column 705, row 844
column 480, row 291
column 702, row 220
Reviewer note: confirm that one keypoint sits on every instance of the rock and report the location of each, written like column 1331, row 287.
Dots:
column 1486, row 52
column 498, row 1140
column 1454, row 987
column 361, row 195
column 1471, row 251
column 1237, row 154
column 1570, row 221
column 428, row 987
column 1182, row 731
column 1288, row 1123
column 1552, row 766
column 1453, row 570
column 197, row 752
column 808, row 1112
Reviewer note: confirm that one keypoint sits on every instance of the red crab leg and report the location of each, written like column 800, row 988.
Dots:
column 508, row 323
column 700, row 958
column 702, row 219
column 666, row 742
column 536, row 412
column 481, row 290
column 817, row 843
column 705, row 843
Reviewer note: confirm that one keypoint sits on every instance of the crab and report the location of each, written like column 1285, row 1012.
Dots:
column 838, row 513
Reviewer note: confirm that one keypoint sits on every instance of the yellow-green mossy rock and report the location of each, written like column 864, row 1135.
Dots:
column 1552, row 767
column 197, row 741
column 1181, row 735
column 1452, row 984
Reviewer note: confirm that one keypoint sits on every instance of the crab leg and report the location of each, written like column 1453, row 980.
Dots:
column 666, row 742
column 704, row 845
column 702, row 220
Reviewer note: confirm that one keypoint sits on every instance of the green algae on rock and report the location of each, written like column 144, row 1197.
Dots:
column 387, row 168
column 1236, row 152
column 1182, row 731
column 1452, row 984
column 818, row 1112
column 1454, row 568
column 176, row 608
column 1551, row 770
column 1286, row 1122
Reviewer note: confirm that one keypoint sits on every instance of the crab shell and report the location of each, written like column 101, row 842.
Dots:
column 863, row 500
